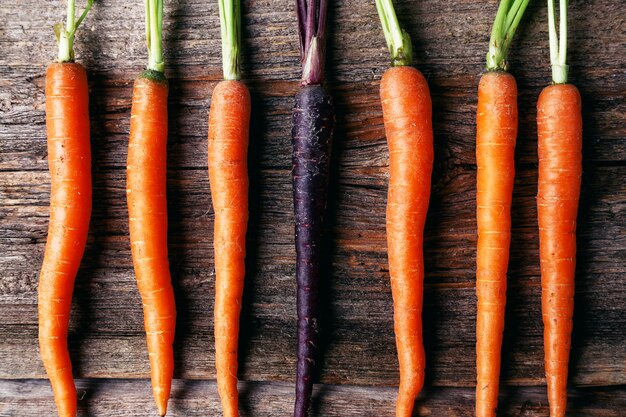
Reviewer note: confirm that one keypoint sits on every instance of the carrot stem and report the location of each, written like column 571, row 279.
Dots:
column 154, row 35
column 398, row 41
column 230, row 22
column 65, row 34
column 312, row 32
column 558, row 42
column 509, row 14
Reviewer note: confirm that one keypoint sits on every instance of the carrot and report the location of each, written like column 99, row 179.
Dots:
column 496, row 132
column 559, row 130
column 69, row 159
column 229, row 121
column 313, row 125
column 147, row 209
column 407, row 114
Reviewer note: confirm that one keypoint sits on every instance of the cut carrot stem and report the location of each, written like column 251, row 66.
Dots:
column 559, row 131
column 398, row 41
column 229, row 121
column 69, row 160
column 66, row 33
column 496, row 134
column 154, row 29
column 507, row 20
column 407, row 114
column 147, row 209
column 230, row 24
column 558, row 43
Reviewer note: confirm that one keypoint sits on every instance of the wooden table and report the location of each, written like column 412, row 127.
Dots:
column 358, row 365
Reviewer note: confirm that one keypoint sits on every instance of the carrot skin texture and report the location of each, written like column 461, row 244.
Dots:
column 147, row 210
column 407, row 113
column 496, row 133
column 69, row 159
column 229, row 124
column 313, row 124
column 559, row 130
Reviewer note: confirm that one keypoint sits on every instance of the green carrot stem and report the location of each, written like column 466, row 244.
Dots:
column 507, row 20
column 154, row 35
column 230, row 23
column 558, row 46
column 398, row 41
column 65, row 34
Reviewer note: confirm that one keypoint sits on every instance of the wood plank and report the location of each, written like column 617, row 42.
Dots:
column 450, row 43
column 107, row 332
column 199, row 398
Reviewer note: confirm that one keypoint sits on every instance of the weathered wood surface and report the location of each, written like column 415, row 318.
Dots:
column 199, row 398
column 450, row 39
column 108, row 332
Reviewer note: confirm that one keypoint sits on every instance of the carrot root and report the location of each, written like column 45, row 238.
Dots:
column 559, row 129
column 496, row 132
column 69, row 156
column 407, row 113
column 229, row 122
column 313, row 125
column 147, row 210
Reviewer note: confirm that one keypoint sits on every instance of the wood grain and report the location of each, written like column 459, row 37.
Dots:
column 107, row 335
column 199, row 398
column 450, row 41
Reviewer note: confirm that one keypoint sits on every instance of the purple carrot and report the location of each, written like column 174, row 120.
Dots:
column 313, row 123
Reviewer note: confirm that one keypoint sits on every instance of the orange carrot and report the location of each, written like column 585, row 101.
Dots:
column 496, row 132
column 147, row 211
column 229, row 123
column 407, row 113
column 559, row 130
column 228, row 173
column 69, row 155
column 69, row 158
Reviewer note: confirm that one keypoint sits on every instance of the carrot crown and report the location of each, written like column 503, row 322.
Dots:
column 312, row 32
column 230, row 22
column 509, row 14
column 65, row 34
column 398, row 41
column 558, row 46
column 154, row 35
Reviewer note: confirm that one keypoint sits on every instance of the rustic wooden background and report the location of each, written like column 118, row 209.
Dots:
column 358, row 367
